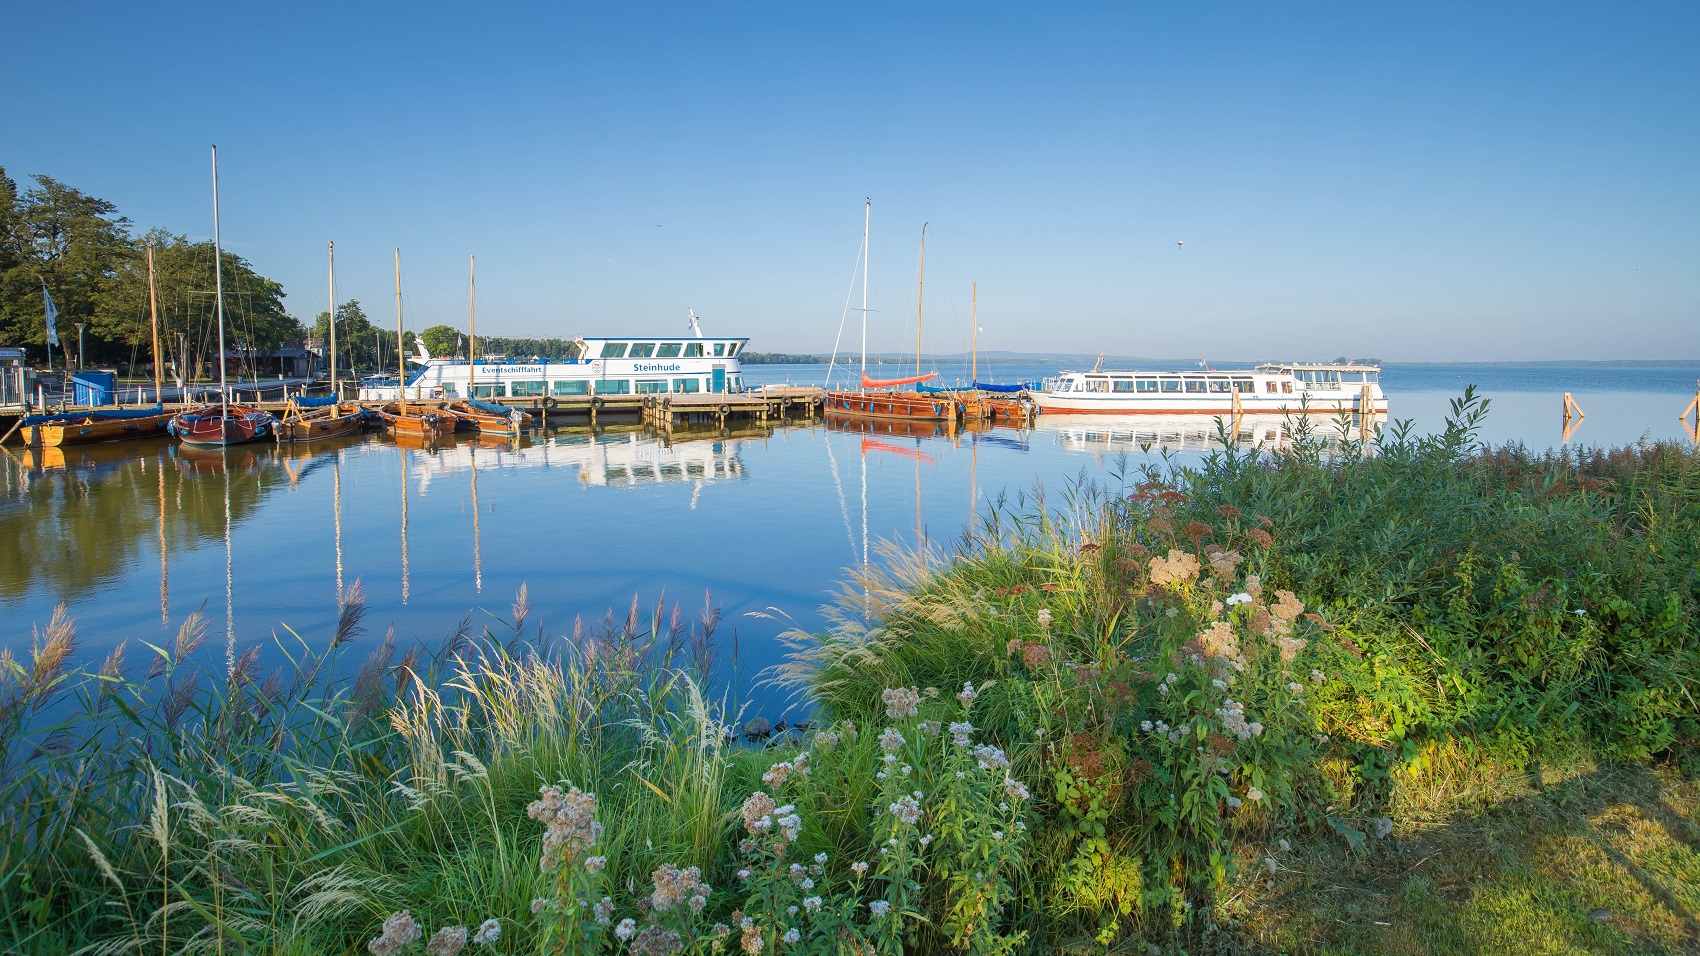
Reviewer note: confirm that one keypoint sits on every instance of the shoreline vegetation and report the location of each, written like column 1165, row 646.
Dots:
column 1430, row 697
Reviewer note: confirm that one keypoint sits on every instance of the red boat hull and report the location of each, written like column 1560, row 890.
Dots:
column 897, row 405
column 219, row 425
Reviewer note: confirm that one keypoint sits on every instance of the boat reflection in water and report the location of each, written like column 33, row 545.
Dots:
column 615, row 458
column 1199, row 433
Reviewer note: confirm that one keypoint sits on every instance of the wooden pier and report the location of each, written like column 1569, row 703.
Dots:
column 777, row 403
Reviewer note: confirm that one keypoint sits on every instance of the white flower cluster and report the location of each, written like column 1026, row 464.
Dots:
column 907, row 809
column 891, row 741
column 1240, row 598
column 990, row 757
column 962, row 733
column 1015, row 789
column 901, row 702
column 777, row 774
column 1233, row 720
column 966, row 695
column 1169, row 681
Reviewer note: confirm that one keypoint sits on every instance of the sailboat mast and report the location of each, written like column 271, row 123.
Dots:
column 867, row 220
column 334, row 393
column 218, row 288
column 472, row 322
column 153, row 317
column 400, row 360
column 920, row 291
column 974, row 376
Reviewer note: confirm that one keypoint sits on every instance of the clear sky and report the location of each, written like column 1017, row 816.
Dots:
column 1410, row 181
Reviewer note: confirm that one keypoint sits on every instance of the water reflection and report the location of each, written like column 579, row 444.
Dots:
column 1138, row 433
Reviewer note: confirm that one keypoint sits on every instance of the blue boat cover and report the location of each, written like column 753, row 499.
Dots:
column 111, row 414
column 488, row 408
column 943, row 390
column 1017, row 387
column 318, row 401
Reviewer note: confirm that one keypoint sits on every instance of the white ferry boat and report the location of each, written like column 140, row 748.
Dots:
column 1326, row 388
column 616, row 365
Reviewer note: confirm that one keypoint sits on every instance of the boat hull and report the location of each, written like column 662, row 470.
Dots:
column 212, row 426
column 470, row 419
column 1098, row 403
column 903, row 406
column 417, row 422
column 331, row 422
column 93, row 430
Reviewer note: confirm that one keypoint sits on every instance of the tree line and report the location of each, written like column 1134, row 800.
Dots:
column 90, row 259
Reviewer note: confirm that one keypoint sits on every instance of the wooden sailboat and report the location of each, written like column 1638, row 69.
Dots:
column 869, row 401
column 96, row 425
column 470, row 414
column 307, row 419
column 225, row 423
column 416, row 421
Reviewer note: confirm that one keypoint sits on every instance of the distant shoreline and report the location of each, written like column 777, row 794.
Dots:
column 1007, row 358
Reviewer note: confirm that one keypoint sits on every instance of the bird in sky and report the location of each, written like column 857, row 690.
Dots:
column 1179, row 244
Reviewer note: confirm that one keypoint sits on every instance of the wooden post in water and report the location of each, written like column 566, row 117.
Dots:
column 1239, row 412
column 1573, row 416
column 1366, row 412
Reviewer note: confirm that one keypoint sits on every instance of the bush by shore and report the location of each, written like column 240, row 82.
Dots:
column 1153, row 715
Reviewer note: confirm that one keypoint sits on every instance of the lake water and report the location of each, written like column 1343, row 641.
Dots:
column 134, row 536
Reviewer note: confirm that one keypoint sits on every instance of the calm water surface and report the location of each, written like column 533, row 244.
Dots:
column 132, row 537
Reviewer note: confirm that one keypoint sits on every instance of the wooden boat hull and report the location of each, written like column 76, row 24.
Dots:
column 215, row 426
column 314, row 427
column 904, row 406
column 468, row 419
column 419, row 422
column 94, row 430
column 895, row 427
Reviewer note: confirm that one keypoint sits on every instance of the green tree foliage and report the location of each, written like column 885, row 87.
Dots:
column 443, row 339
column 359, row 343
column 96, row 269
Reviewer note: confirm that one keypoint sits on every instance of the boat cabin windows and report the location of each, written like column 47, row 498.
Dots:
column 733, row 348
column 651, row 386
column 570, row 386
column 528, row 389
column 1194, row 385
column 693, row 350
column 686, row 384
column 1244, row 386
column 1097, row 385
column 449, row 390
column 1171, row 384
column 614, row 386
column 641, row 350
column 488, row 391
column 1122, row 385
column 720, row 350
column 1271, row 386
column 1219, row 385
column 1145, row 385
column 668, row 350
column 613, row 350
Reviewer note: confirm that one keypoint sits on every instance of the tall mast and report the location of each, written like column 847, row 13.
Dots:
column 218, row 288
column 153, row 314
column 472, row 320
column 334, row 393
column 400, row 360
column 920, row 291
column 974, row 376
column 867, row 220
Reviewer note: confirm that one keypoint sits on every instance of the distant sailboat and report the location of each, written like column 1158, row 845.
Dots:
column 224, row 423
column 868, row 402
column 307, row 419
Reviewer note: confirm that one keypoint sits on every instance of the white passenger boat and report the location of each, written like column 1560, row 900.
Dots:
column 1321, row 389
column 614, row 365
column 1098, row 434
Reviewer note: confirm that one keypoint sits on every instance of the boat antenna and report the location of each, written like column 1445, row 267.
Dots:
column 696, row 328
column 1100, row 362
column 218, row 292
column 1203, row 364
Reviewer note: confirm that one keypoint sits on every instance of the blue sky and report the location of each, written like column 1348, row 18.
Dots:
column 1414, row 182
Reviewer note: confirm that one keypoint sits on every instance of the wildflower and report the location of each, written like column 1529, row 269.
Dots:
column 657, row 941
column 448, row 941
column 604, row 911
column 791, row 937
column 1219, row 683
column 1015, row 789
column 849, row 727
column 540, row 904
column 1240, row 598
column 1013, row 647
column 1580, row 612
column 1178, row 568
column 1036, row 656
column 1145, row 725
column 1269, row 861
column 743, row 874
column 1217, row 640
column 1291, row 646
column 758, row 811
column 967, row 694
column 820, row 858
column 1253, row 794
column 1233, row 803
column 789, row 822
column 593, row 865
column 812, row 904
column 489, row 931
column 1284, row 845
column 1316, row 676
column 891, row 740
column 1256, row 728
column 960, row 732
column 1383, row 827
column 1287, row 608
column 1294, row 687
column 826, row 739
column 792, row 910
column 1163, row 689
column 879, row 908
column 925, row 840
column 907, row 810
column 1044, row 617
column 626, row 930
column 776, row 775
column 399, row 930
column 752, row 942
column 990, row 757
column 1262, row 537
column 901, row 702
column 860, row 867
column 1223, row 563
column 720, row 931
column 571, row 821
column 673, row 885
column 929, row 728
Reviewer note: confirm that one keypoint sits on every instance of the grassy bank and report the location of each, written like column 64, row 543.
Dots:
column 1432, row 699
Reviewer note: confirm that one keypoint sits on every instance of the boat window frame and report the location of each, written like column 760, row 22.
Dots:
column 693, row 350
column 686, row 386
column 614, row 350
column 1195, row 386
column 541, row 388
column 641, row 388
column 1145, row 385
column 613, row 386
column 641, row 350
column 562, row 387
column 1171, row 386
column 669, row 349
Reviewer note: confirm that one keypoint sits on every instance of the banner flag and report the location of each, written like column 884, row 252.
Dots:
column 52, row 317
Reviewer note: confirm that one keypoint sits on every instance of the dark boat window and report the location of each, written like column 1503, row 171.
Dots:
column 613, row 350
column 641, row 350
column 667, row 350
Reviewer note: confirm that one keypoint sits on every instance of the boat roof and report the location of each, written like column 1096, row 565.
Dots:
column 687, row 337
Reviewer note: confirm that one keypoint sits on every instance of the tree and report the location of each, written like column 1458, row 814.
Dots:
column 358, row 340
column 69, row 241
column 442, row 339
